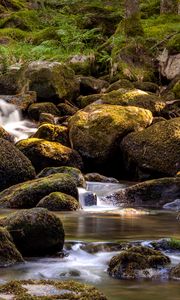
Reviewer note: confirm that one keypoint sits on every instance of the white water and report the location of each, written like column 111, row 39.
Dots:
column 11, row 120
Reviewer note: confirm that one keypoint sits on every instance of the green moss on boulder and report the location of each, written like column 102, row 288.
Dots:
column 36, row 109
column 35, row 232
column 53, row 133
column 59, row 202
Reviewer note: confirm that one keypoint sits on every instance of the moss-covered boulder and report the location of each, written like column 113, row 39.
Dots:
column 121, row 83
column 73, row 172
column 49, row 289
column 52, row 80
column 127, row 97
column 9, row 255
column 152, row 193
column 147, row 86
column 175, row 272
column 155, row 150
column 90, row 85
column 35, row 232
column 45, row 154
column 67, row 109
column 15, row 167
column 135, row 263
column 29, row 193
column 96, row 177
column 53, row 133
column 11, row 82
column 59, row 202
column 95, row 131
column 36, row 109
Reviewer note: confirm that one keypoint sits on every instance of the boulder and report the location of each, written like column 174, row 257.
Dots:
column 29, row 193
column 169, row 64
column 73, row 172
column 52, row 80
column 96, row 130
column 53, row 133
column 9, row 255
column 96, row 177
column 90, row 85
column 45, row 154
column 35, row 232
column 22, row 101
column 152, row 193
column 6, row 135
column 15, row 167
column 121, row 83
column 136, row 263
column 12, row 82
column 154, row 151
column 36, row 109
column 67, row 109
column 57, row 201
column 175, row 272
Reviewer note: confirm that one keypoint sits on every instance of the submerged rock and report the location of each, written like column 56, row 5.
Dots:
column 137, row 262
column 151, row 193
column 45, row 154
column 15, row 167
column 29, row 193
column 35, row 232
column 49, row 289
column 57, row 201
column 9, row 255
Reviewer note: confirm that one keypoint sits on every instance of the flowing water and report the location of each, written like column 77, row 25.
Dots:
column 93, row 235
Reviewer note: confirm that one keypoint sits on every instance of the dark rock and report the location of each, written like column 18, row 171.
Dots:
column 53, row 133
column 99, row 178
column 59, row 202
column 35, row 110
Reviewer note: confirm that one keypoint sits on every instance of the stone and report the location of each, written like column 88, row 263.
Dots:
column 90, row 85
column 35, row 232
column 169, row 64
column 53, row 133
column 95, row 177
column 35, row 110
column 22, row 100
column 57, row 201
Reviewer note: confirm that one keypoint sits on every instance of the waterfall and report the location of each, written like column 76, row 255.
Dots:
column 11, row 120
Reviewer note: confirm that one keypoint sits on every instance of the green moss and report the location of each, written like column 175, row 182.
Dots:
column 176, row 90
column 174, row 244
column 132, row 26
column 54, row 133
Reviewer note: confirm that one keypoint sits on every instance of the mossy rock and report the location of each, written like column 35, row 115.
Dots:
column 176, row 89
column 154, row 151
column 15, row 167
column 152, row 193
column 46, row 118
column 59, row 202
column 11, row 82
column 175, row 272
column 9, row 255
column 22, row 101
column 36, row 109
column 35, row 232
column 173, row 44
column 81, row 64
column 53, row 133
column 73, row 172
column 96, row 177
column 166, row 244
column 66, row 109
column 121, row 83
column 90, row 85
column 126, row 97
column 135, row 262
column 49, row 289
column 52, row 80
column 147, row 86
column 6, row 135
column 95, row 131
column 45, row 154
column 29, row 193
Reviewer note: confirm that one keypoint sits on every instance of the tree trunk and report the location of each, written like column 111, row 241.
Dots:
column 132, row 18
column 169, row 6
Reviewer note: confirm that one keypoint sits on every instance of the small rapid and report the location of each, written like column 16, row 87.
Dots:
column 12, row 121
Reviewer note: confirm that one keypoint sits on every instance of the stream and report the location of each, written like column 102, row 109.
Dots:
column 92, row 237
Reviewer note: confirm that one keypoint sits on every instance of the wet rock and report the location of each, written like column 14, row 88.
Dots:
column 166, row 245
column 35, row 110
column 136, row 262
column 6, row 135
column 46, row 118
column 91, row 85
column 175, row 272
column 9, row 255
column 95, row 131
column 49, row 289
column 59, row 202
column 89, row 199
column 96, row 177
column 45, row 154
column 22, row 101
column 52, row 80
column 102, row 247
column 73, row 172
column 175, row 205
column 15, row 167
column 155, row 150
column 152, row 193
column 53, row 133
column 66, row 109
column 29, row 193
column 35, row 232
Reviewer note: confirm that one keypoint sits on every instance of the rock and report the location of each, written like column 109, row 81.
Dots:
column 53, row 133
column 175, row 272
column 9, row 255
column 175, row 205
column 151, row 193
column 15, row 167
column 90, row 85
column 35, row 232
column 66, row 109
column 49, row 289
column 136, row 263
column 169, row 64
column 6, row 135
column 99, row 178
column 29, row 193
column 176, row 89
column 52, row 80
column 166, row 245
column 95, row 131
column 45, row 154
column 73, row 172
column 154, row 151
column 121, row 83
column 146, row 86
column 11, row 83
column 46, row 118
column 35, row 110
column 57, row 201
column 95, row 247
column 22, row 101
column 82, row 64
column 126, row 97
